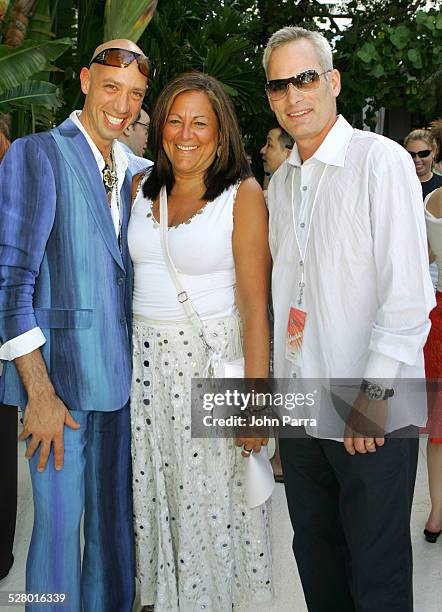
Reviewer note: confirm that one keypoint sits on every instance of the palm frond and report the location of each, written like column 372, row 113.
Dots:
column 18, row 65
column 127, row 18
column 37, row 93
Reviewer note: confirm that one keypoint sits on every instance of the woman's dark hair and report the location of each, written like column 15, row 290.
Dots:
column 227, row 167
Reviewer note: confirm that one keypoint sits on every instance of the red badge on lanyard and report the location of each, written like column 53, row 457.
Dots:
column 295, row 334
column 297, row 317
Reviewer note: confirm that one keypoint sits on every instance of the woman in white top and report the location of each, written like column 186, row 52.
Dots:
column 433, row 370
column 198, row 546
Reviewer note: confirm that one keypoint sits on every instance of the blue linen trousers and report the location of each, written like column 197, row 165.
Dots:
column 95, row 478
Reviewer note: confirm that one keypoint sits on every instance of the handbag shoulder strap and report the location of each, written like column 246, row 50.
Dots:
column 182, row 294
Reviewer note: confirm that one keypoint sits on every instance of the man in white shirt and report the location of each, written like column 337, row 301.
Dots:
column 351, row 295
column 65, row 324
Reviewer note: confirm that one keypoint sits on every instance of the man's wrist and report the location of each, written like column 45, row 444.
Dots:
column 41, row 393
column 375, row 391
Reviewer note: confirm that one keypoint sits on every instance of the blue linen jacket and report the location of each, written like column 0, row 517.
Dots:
column 61, row 269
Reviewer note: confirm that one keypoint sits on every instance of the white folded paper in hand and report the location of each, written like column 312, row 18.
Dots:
column 259, row 480
column 232, row 369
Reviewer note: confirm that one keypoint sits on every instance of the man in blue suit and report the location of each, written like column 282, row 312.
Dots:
column 65, row 325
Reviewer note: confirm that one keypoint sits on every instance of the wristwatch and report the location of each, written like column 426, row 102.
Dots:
column 374, row 391
column 257, row 405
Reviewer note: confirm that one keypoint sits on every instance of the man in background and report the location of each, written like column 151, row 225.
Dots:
column 134, row 142
column 276, row 149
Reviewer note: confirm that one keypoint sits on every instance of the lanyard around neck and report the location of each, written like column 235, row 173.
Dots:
column 303, row 255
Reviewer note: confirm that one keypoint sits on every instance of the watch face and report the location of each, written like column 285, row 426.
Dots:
column 374, row 391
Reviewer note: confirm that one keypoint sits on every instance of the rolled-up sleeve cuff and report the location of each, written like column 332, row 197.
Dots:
column 381, row 369
column 23, row 344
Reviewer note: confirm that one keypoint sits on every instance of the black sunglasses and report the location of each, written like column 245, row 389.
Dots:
column 122, row 58
column 421, row 154
column 304, row 82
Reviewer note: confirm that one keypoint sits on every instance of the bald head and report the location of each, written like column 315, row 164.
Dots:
column 114, row 92
column 117, row 43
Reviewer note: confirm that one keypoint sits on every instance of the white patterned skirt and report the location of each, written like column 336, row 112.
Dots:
column 199, row 547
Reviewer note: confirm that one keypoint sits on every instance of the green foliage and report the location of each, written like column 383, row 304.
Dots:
column 31, row 93
column 82, row 20
column 219, row 39
column 38, row 115
column 367, row 53
column 26, row 89
column 398, row 64
column 389, row 53
column 23, row 88
column 18, row 65
column 127, row 18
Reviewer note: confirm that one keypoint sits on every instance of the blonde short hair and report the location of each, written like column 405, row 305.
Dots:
column 292, row 33
column 424, row 135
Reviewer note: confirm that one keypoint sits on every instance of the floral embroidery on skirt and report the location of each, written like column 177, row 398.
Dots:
column 199, row 547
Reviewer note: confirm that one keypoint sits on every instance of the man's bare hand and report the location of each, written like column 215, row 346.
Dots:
column 45, row 414
column 44, row 421
column 365, row 426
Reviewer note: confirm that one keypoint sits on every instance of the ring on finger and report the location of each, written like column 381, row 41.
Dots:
column 247, row 450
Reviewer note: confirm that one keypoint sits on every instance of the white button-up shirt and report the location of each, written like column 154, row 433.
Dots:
column 356, row 205
column 34, row 338
column 136, row 163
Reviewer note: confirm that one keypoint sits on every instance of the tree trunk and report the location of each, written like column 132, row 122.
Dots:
column 19, row 22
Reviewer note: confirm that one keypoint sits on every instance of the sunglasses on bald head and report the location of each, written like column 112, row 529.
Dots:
column 122, row 58
column 422, row 154
column 304, row 82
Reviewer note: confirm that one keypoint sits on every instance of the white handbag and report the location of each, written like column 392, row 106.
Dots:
column 217, row 366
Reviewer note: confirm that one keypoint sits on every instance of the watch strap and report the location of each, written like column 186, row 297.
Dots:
column 375, row 391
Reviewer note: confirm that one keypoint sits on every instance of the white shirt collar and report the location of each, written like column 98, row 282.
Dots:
column 333, row 148
column 117, row 150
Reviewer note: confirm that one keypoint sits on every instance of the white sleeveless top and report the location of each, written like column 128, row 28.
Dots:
column 201, row 250
column 434, row 233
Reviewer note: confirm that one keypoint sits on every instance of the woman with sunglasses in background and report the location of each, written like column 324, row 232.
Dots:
column 433, row 351
column 198, row 220
column 422, row 148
